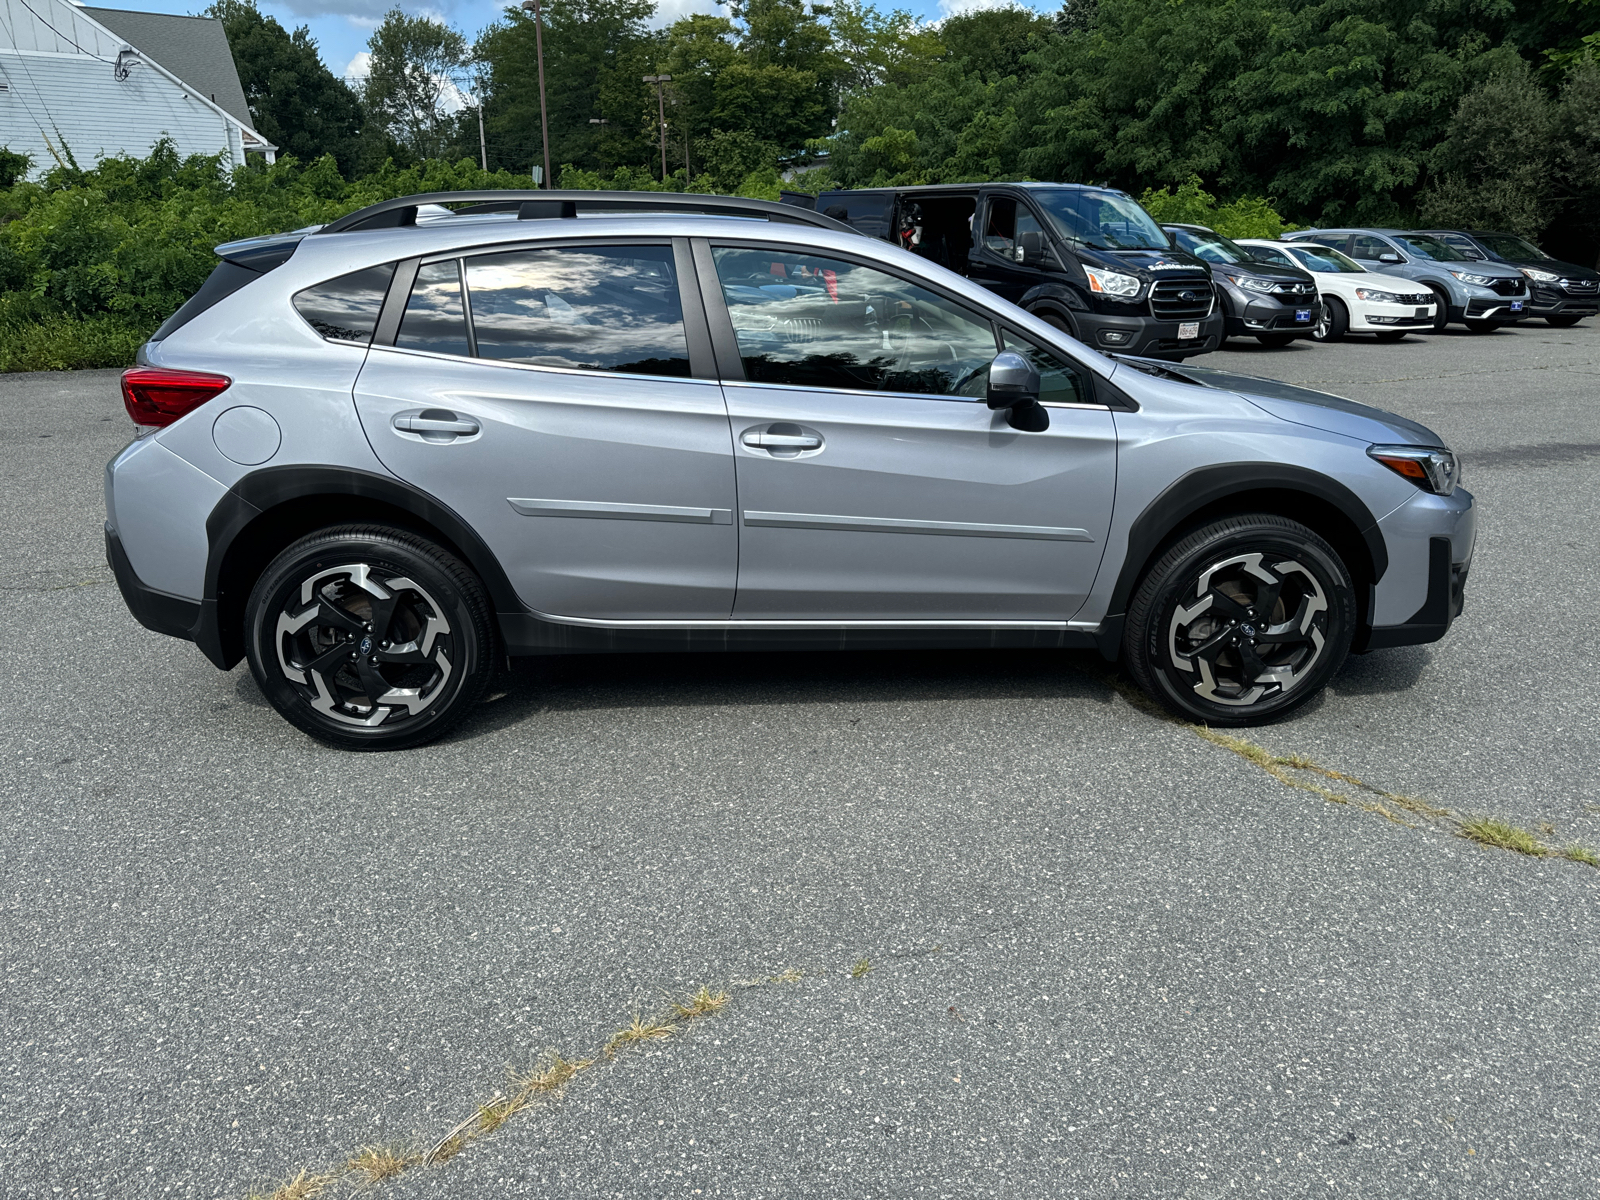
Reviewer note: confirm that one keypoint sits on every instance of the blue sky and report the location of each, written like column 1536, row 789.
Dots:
column 342, row 27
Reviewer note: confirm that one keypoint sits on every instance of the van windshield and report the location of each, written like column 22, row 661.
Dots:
column 1101, row 220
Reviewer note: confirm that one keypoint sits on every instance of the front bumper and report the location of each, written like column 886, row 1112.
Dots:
column 1373, row 316
column 1431, row 542
column 1148, row 336
column 1268, row 316
column 1550, row 301
column 1492, row 308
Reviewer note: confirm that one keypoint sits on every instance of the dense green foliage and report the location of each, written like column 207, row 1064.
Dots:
column 91, row 261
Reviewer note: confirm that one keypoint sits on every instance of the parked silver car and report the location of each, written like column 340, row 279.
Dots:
column 379, row 458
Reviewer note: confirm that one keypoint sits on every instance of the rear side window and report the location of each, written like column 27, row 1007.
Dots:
column 592, row 308
column 435, row 318
column 346, row 309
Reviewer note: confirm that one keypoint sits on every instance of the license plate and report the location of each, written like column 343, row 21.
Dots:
column 1302, row 314
column 1516, row 306
column 1188, row 330
column 1422, row 312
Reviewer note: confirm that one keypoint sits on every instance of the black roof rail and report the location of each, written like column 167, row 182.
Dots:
column 535, row 205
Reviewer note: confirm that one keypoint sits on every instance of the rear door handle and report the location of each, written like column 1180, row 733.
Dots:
column 436, row 424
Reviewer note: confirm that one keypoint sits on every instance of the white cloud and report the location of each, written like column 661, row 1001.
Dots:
column 358, row 67
column 951, row 8
column 668, row 11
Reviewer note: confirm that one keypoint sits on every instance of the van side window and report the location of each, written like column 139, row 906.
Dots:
column 1060, row 381
column 1004, row 226
column 805, row 320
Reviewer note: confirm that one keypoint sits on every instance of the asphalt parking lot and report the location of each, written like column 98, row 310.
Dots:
column 1047, row 944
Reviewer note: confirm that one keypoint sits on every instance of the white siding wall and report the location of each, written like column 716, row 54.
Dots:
column 60, row 95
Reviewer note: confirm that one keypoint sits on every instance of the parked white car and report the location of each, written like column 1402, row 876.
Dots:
column 1354, row 299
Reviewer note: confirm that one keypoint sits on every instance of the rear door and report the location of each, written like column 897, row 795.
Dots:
column 874, row 481
column 549, row 395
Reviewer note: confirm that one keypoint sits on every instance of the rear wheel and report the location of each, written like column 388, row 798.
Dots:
column 1275, row 341
column 1334, row 322
column 370, row 638
column 1565, row 321
column 1245, row 619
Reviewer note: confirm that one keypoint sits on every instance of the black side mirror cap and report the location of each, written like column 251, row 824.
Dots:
column 1030, row 247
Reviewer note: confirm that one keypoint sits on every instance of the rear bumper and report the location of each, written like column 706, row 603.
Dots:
column 157, row 610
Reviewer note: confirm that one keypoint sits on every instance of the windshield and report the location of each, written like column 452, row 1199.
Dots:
column 1512, row 249
column 1327, row 260
column 1212, row 247
column 1101, row 220
column 1424, row 246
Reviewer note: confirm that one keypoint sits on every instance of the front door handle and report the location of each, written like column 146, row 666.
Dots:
column 784, row 441
column 436, row 424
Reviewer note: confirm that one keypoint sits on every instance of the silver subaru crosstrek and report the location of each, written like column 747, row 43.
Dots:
column 378, row 458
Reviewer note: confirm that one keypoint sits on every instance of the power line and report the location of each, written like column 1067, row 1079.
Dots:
column 59, row 34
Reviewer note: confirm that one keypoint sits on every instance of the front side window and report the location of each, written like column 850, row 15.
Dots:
column 1059, row 381
column 346, row 309
column 1430, row 247
column 805, row 320
column 594, row 308
column 434, row 319
column 1004, row 226
column 1368, row 247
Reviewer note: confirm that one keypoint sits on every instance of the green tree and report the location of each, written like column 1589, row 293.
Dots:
column 415, row 63
column 296, row 102
column 1577, row 136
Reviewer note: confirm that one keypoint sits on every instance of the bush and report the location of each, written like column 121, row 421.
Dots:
column 1247, row 217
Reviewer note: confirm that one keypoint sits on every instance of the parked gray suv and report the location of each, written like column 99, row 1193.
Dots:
column 1480, row 295
column 378, row 458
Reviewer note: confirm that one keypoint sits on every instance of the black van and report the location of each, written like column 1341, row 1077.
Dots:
column 1088, row 260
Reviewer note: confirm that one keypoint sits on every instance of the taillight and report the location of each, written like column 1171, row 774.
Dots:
column 159, row 396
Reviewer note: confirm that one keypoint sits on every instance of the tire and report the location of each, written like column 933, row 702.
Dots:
column 1275, row 341
column 1334, row 322
column 1055, row 321
column 312, row 616
column 1391, row 335
column 1566, row 321
column 1304, row 641
column 1441, row 310
column 1481, row 326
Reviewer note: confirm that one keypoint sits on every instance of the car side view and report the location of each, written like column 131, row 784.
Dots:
column 1354, row 299
column 379, row 458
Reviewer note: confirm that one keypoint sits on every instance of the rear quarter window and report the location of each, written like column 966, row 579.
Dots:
column 346, row 309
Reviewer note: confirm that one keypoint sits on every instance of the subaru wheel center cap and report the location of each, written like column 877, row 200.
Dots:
column 1248, row 630
column 366, row 645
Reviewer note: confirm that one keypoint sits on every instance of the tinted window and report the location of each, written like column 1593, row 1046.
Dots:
column 346, row 308
column 597, row 308
column 1368, row 247
column 1004, row 226
column 867, row 213
column 434, row 319
column 1059, row 381
column 810, row 321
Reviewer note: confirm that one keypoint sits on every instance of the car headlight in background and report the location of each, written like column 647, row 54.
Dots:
column 1540, row 276
column 1431, row 469
column 1112, row 283
column 1469, row 277
column 1379, row 297
column 1250, row 282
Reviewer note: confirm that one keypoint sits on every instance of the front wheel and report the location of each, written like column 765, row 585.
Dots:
column 1334, row 322
column 1243, row 620
column 370, row 638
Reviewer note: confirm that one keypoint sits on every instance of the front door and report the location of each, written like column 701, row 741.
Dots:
column 546, row 396
column 874, row 481
column 997, row 260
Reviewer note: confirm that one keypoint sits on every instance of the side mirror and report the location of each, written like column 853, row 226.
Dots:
column 1389, row 256
column 1014, row 386
column 1030, row 247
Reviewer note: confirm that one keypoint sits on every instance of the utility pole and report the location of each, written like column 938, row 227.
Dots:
column 602, row 122
column 483, row 146
column 661, row 109
column 544, row 114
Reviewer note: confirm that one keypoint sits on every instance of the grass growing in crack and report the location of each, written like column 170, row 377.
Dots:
column 639, row 1032
column 1581, row 854
column 497, row 1112
column 549, row 1073
column 377, row 1163
column 303, row 1186
column 862, row 966
column 1487, row 831
column 699, row 1004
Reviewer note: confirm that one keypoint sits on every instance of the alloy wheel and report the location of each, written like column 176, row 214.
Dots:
column 366, row 646
column 1252, row 628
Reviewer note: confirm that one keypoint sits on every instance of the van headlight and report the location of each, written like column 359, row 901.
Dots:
column 1113, row 283
column 1430, row 468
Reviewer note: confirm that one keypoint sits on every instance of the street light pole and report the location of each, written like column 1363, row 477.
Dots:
column 544, row 114
column 661, row 109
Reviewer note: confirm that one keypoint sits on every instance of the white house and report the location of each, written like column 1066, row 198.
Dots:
column 100, row 82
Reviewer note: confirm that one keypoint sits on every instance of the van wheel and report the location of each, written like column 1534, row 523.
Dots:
column 370, row 638
column 1243, row 620
column 1056, row 321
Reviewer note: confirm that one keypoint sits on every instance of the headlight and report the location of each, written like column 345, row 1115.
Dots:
column 1540, row 276
column 1469, row 277
column 1431, row 469
column 1250, row 282
column 1379, row 297
column 1112, row 283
